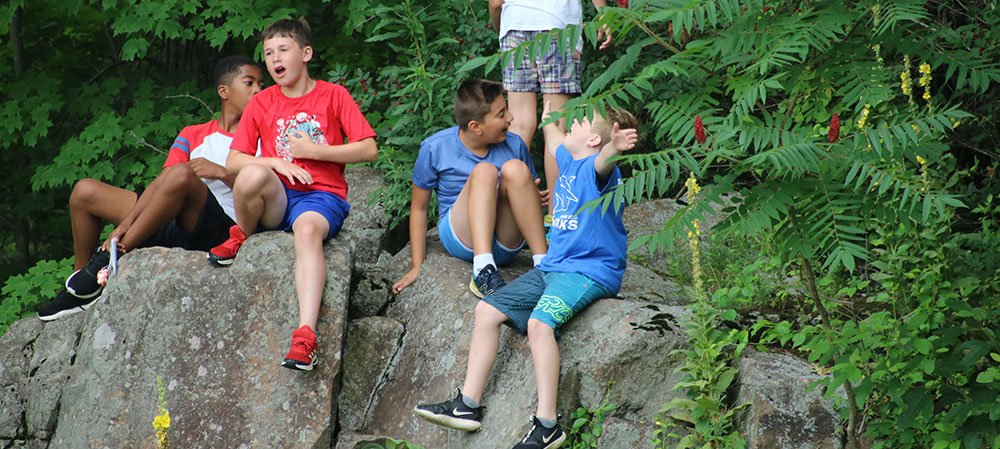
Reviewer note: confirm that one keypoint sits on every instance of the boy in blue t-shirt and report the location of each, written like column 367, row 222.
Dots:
column 489, row 205
column 586, row 263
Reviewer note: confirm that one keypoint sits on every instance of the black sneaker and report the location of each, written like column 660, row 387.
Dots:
column 453, row 414
column 541, row 437
column 83, row 283
column 64, row 305
column 487, row 282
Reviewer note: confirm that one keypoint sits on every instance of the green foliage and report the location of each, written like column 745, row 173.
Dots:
column 923, row 365
column 23, row 293
column 392, row 443
column 587, row 427
column 705, row 411
column 411, row 97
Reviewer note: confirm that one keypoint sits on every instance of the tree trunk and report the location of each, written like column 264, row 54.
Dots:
column 16, row 44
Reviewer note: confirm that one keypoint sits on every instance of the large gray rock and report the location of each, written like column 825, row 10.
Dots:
column 601, row 356
column 51, row 365
column 782, row 414
column 216, row 336
column 370, row 350
column 16, row 347
column 365, row 226
column 372, row 288
column 624, row 434
column 643, row 284
column 649, row 217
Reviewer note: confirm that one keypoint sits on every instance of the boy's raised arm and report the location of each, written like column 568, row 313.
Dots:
column 554, row 135
column 621, row 140
column 418, row 237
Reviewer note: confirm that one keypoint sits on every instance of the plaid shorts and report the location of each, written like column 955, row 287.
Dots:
column 550, row 73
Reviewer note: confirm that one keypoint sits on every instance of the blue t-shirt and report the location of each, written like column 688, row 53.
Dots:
column 588, row 243
column 444, row 164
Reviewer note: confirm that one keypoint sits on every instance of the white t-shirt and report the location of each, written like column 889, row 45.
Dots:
column 539, row 15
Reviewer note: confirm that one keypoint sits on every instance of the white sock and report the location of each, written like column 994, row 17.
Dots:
column 537, row 258
column 480, row 261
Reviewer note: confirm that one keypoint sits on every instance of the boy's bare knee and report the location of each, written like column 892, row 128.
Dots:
column 537, row 329
column 484, row 172
column 84, row 191
column 515, row 170
column 487, row 314
column 309, row 227
column 251, row 178
column 179, row 176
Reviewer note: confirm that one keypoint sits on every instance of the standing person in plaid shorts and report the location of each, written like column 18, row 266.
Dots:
column 556, row 75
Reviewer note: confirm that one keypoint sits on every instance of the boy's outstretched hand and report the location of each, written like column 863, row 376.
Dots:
column 407, row 279
column 623, row 139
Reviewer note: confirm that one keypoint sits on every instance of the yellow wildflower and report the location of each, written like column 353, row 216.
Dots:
column 921, row 160
column 864, row 115
column 925, row 68
column 926, row 95
column 162, row 421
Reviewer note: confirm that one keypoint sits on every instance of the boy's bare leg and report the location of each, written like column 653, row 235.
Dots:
column 519, row 211
column 90, row 202
column 180, row 195
column 473, row 216
column 482, row 349
column 309, row 230
column 259, row 198
column 524, row 107
column 545, row 354
column 551, row 168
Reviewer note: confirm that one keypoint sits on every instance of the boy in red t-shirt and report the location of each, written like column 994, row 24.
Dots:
column 297, row 184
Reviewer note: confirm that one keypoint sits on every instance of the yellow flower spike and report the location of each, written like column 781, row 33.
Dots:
column 921, row 160
column 162, row 421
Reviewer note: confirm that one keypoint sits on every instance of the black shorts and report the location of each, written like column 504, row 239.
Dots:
column 211, row 230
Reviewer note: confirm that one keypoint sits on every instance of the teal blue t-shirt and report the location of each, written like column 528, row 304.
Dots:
column 444, row 164
column 589, row 243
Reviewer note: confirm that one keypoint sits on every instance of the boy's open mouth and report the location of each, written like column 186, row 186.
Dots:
column 279, row 70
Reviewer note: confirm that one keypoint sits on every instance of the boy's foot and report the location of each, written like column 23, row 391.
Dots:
column 224, row 254
column 541, row 437
column 83, row 283
column 453, row 414
column 486, row 282
column 302, row 356
column 64, row 305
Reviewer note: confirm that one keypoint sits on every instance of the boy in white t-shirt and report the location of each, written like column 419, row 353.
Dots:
column 556, row 75
column 189, row 205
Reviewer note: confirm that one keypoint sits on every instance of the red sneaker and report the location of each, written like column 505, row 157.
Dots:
column 301, row 356
column 224, row 254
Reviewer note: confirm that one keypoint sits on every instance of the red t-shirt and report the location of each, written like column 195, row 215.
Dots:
column 327, row 114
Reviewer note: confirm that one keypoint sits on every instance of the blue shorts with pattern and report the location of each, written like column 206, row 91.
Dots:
column 502, row 255
column 332, row 207
column 553, row 72
column 548, row 296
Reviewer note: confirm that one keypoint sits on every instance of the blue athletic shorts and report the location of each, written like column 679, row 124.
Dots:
column 330, row 206
column 548, row 296
column 501, row 254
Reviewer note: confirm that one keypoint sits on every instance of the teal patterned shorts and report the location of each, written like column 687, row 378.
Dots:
column 550, row 297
